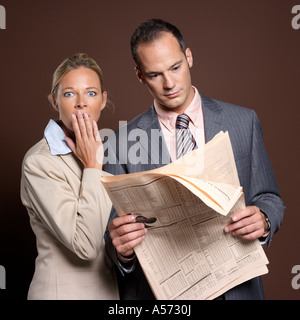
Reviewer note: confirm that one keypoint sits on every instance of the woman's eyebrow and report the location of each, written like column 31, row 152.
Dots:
column 67, row 88
column 88, row 88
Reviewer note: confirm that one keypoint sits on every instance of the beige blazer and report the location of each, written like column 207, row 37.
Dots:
column 68, row 209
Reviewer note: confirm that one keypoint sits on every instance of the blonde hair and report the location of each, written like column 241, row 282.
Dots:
column 71, row 63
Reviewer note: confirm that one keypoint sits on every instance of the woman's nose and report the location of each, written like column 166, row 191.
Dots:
column 80, row 103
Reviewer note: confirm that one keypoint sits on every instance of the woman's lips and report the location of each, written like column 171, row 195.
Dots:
column 83, row 114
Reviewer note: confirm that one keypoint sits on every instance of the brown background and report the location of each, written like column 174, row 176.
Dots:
column 245, row 52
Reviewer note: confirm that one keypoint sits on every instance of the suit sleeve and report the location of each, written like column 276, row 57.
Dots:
column 113, row 166
column 263, row 189
column 77, row 221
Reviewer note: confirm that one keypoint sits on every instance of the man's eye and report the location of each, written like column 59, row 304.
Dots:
column 176, row 68
column 68, row 94
column 152, row 76
column 91, row 93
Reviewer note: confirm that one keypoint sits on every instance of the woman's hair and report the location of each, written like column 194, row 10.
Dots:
column 71, row 63
column 152, row 30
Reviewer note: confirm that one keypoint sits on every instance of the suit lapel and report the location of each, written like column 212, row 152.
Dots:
column 213, row 123
column 148, row 122
column 73, row 163
column 213, row 118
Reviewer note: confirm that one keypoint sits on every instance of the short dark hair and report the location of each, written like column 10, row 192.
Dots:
column 151, row 30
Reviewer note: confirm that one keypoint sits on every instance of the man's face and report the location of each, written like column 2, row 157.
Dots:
column 165, row 70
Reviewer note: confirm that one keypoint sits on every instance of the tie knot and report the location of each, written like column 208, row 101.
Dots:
column 182, row 121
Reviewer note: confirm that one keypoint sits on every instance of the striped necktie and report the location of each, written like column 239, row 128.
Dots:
column 185, row 141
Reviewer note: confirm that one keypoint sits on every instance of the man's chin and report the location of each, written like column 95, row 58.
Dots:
column 173, row 108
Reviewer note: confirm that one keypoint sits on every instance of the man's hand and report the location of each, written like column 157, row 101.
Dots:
column 126, row 234
column 249, row 223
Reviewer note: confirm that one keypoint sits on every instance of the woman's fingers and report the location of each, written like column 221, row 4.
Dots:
column 76, row 128
column 82, row 125
column 83, row 128
column 96, row 131
column 88, row 126
column 88, row 145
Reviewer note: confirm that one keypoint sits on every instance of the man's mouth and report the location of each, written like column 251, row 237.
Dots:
column 172, row 95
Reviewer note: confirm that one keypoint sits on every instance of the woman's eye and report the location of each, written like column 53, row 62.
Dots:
column 91, row 93
column 68, row 94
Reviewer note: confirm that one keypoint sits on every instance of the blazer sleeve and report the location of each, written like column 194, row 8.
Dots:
column 77, row 221
column 263, row 189
column 113, row 166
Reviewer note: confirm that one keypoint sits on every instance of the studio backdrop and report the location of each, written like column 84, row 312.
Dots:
column 245, row 52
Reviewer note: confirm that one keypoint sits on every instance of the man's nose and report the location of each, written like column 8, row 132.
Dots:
column 168, row 82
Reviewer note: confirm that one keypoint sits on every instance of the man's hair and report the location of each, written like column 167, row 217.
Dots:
column 151, row 30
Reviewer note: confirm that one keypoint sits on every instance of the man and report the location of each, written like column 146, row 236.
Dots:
column 163, row 65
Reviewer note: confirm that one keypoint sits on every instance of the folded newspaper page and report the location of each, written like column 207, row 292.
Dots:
column 186, row 254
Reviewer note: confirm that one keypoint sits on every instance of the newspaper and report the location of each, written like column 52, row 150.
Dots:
column 186, row 254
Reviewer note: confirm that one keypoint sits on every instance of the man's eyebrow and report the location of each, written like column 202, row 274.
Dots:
column 176, row 63
column 171, row 67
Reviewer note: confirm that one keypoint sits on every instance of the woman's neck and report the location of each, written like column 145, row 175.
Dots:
column 67, row 132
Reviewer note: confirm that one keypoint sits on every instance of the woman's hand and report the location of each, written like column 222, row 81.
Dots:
column 88, row 147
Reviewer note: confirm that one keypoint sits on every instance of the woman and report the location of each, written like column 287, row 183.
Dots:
column 61, row 189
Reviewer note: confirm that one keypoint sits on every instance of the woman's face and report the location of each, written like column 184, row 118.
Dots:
column 79, row 89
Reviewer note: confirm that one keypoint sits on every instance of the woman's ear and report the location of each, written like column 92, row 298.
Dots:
column 104, row 100
column 53, row 102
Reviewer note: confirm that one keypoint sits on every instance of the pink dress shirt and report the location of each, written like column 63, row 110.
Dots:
column 167, row 120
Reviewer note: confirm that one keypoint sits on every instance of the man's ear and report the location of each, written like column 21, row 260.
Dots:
column 139, row 75
column 189, row 57
column 53, row 102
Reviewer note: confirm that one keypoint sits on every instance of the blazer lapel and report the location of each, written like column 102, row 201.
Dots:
column 213, row 123
column 73, row 163
column 148, row 122
column 213, row 118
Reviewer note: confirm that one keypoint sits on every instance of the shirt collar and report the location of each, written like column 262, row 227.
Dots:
column 168, row 118
column 55, row 138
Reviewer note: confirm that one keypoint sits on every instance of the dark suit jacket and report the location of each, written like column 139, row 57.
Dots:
column 253, row 166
